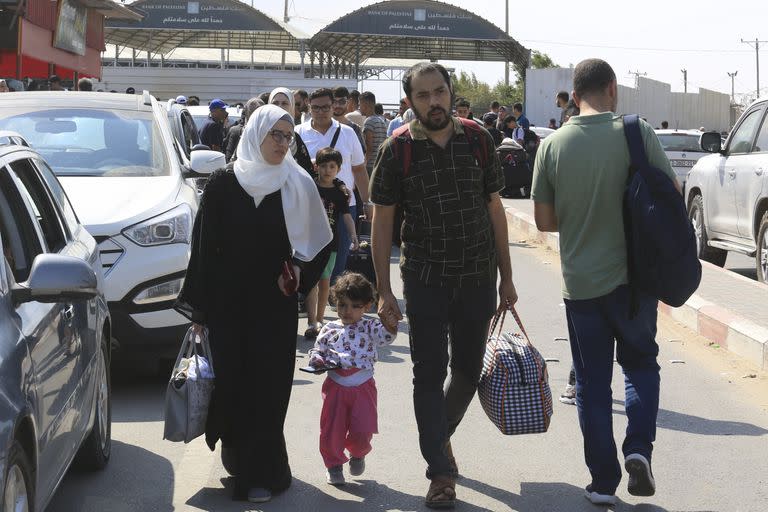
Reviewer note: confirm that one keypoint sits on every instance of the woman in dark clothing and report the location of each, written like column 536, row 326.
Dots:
column 233, row 137
column 253, row 220
column 283, row 97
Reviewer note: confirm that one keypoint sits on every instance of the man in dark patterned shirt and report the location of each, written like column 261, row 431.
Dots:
column 454, row 238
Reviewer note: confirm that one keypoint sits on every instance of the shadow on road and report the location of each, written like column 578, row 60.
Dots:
column 366, row 494
column 672, row 420
column 146, row 483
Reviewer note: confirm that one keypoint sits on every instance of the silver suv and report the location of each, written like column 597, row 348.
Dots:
column 727, row 192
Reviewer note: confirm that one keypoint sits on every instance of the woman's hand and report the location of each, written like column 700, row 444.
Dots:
column 316, row 361
column 197, row 329
column 284, row 285
column 355, row 245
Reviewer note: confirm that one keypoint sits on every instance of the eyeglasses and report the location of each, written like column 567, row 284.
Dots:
column 279, row 136
column 340, row 101
column 321, row 108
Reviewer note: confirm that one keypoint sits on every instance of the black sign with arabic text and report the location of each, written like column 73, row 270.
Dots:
column 420, row 19
column 198, row 15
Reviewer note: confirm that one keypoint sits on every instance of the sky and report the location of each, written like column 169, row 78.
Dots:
column 659, row 38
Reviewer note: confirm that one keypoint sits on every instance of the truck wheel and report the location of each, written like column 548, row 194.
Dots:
column 705, row 252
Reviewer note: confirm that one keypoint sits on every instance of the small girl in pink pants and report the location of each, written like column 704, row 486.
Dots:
column 349, row 418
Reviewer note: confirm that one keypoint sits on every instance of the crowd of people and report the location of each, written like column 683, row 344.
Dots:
column 306, row 169
column 307, row 172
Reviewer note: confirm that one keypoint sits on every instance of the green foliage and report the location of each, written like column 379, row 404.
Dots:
column 480, row 94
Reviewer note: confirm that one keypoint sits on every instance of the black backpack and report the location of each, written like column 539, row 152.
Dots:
column 661, row 244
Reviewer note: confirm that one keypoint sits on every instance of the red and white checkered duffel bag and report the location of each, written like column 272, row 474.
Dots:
column 514, row 385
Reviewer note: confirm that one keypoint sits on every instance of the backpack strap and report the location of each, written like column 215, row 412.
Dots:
column 336, row 136
column 477, row 141
column 638, row 158
column 403, row 147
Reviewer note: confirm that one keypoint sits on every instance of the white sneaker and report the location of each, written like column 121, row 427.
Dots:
column 641, row 482
column 599, row 499
column 569, row 395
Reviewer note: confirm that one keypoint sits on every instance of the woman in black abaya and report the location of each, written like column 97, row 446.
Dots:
column 252, row 220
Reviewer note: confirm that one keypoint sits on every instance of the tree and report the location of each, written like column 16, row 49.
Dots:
column 480, row 94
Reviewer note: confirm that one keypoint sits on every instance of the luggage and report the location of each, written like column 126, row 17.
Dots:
column 518, row 174
column 361, row 261
column 514, row 384
column 189, row 390
column 661, row 243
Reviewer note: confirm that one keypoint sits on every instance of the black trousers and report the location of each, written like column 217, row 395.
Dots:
column 441, row 319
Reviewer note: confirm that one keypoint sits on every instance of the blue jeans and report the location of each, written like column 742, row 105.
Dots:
column 343, row 250
column 593, row 325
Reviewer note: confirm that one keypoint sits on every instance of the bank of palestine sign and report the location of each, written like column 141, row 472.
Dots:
column 198, row 15
column 416, row 18
column 70, row 27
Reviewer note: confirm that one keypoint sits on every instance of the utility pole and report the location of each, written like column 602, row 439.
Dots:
column 637, row 74
column 285, row 20
column 685, row 80
column 733, row 96
column 506, row 31
column 756, row 42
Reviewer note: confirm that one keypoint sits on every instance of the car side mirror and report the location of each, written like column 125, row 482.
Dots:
column 711, row 142
column 204, row 162
column 57, row 278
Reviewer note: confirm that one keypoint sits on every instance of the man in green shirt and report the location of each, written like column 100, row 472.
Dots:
column 579, row 178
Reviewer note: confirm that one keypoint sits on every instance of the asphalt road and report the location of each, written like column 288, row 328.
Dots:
column 735, row 262
column 711, row 451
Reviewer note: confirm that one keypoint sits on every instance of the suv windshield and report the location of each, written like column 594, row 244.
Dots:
column 680, row 142
column 86, row 142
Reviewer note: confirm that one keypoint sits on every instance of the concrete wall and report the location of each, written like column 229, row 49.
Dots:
column 228, row 84
column 652, row 99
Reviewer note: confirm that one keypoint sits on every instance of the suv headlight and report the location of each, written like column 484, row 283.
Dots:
column 171, row 227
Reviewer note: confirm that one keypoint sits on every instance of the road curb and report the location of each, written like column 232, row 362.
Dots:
column 716, row 323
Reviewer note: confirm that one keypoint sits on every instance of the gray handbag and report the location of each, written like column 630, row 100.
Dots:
column 189, row 390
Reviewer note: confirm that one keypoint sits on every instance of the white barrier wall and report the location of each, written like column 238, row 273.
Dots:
column 231, row 85
column 653, row 100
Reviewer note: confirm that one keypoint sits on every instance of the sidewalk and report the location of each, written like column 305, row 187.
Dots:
column 728, row 309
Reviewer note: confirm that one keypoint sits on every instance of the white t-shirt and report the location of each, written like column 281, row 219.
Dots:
column 348, row 145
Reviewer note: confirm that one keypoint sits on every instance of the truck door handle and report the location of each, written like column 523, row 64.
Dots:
column 69, row 313
column 759, row 171
column 732, row 175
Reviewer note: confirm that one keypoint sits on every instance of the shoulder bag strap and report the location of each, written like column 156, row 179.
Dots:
column 635, row 142
column 336, row 137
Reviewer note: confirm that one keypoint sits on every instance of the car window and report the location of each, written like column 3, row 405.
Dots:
column 62, row 201
column 741, row 141
column 761, row 144
column 90, row 142
column 680, row 142
column 35, row 191
column 191, row 137
column 21, row 243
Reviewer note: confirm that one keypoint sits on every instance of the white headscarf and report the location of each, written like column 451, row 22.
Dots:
column 305, row 216
column 288, row 94
column 291, row 109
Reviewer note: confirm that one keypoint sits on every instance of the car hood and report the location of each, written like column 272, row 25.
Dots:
column 108, row 205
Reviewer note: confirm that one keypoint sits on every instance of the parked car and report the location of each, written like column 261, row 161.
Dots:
column 727, row 192
column 127, row 178
column 542, row 131
column 683, row 148
column 55, row 327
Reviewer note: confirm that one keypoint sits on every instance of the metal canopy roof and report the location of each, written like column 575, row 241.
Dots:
column 417, row 29
column 111, row 9
column 170, row 24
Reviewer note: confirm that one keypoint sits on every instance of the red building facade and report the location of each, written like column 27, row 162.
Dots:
column 62, row 37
